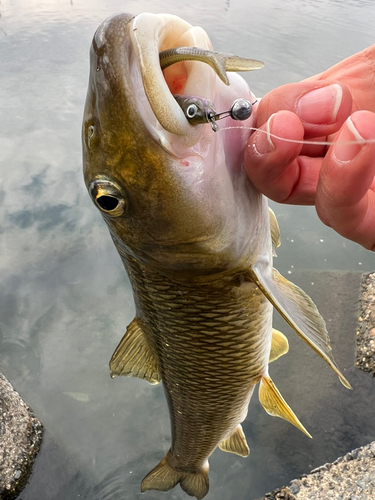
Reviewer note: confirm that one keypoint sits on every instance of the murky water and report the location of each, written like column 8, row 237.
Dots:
column 65, row 300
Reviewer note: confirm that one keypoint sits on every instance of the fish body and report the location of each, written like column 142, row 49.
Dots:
column 196, row 239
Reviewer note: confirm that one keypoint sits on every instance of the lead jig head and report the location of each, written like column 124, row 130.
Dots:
column 241, row 109
column 198, row 110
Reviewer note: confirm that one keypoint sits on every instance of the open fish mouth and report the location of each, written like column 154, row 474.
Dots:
column 167, row 50
column 152, row 34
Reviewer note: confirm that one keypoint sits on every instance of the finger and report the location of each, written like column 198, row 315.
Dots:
column 322, row 106
column 269, row 161
column 345, row 200
column 311, row 149
column 357, row 71
column 273, row 163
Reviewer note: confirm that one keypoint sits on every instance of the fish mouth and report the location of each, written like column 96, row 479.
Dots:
column 152, row 34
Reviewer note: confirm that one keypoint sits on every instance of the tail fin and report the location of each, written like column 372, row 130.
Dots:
column 163, row 478
column 196, row 485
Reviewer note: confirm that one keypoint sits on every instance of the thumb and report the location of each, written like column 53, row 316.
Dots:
column 322, row 106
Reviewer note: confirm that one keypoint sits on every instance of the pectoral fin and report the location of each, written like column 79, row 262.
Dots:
column 236, row 443
column 299, row 312
column 133, row 356
column 275, row 405
column 279, row 346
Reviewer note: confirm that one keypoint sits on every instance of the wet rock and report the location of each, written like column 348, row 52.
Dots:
column 349, row 477
column 20, row 440
column 355, row 453
column 365, row 351
column 362, row 483
column 295, row 486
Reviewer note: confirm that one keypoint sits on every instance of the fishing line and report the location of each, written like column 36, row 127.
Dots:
column 198, row 111
column 295, row 141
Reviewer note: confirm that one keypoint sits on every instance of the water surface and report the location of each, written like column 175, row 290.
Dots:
column 65, row 300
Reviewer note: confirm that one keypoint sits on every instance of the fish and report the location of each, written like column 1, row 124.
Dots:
column 196, row 239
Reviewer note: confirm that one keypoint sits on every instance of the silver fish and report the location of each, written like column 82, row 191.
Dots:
column 196, row 239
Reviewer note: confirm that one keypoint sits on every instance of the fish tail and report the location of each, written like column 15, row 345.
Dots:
column 163, row 478
column 196, row 484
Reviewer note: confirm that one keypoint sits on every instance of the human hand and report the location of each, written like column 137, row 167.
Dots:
column 339, row 180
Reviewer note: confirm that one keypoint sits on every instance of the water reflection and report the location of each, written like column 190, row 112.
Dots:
column 64, row 298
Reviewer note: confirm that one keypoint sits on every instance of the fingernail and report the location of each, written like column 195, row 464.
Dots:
column 320, row 106
column 263, row 142
column 345, row 149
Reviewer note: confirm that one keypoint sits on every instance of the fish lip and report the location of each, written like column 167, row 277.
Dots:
column 151, row 33
column 166, row 109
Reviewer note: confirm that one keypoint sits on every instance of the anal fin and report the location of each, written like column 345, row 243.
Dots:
column 299, row 311
column 279, row 346
column 236, row 443
column 163, row 478
column 275, row 405
column 133, row 356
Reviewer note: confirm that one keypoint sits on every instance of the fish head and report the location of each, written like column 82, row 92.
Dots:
column 174, row 195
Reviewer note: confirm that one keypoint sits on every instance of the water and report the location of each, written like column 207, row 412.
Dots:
column 65, row 300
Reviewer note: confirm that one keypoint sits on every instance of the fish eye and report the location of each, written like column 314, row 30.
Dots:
column 108, row 197
column 107, row 203
column 191, row 111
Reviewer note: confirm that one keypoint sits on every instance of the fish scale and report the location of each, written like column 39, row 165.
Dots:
column 230, row 359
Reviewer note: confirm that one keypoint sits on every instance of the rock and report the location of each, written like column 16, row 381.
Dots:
column 294, row 486
column 365, row 355
column 354, row 453
column 362, row 484
column 20, row 440
column 325, row 482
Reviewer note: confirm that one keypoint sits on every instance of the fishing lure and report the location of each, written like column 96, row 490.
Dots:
column 199, row 110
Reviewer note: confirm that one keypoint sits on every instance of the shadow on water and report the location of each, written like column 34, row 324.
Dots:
column 20, row 335
column 65, row 301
